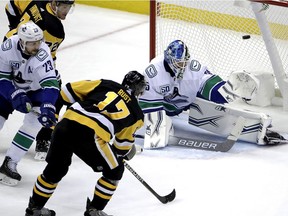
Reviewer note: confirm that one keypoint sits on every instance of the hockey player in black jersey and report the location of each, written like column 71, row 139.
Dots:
column 99, row 110
column 47, row 14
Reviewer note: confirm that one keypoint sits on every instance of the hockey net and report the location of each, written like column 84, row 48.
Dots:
column 226, row 35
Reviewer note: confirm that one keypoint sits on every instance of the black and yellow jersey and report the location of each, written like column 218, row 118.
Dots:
column 40, row 12
column 107, row 108
column 14, row 10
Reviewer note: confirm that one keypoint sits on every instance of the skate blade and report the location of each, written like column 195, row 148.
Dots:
column 41, row 156
column 7, row 180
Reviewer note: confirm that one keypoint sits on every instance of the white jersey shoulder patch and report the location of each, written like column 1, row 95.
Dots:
column 195, row 65
column 6, row 45
column 151, row 71
column 42, row 55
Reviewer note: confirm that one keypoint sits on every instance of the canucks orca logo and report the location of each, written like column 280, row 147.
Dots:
column 20, row 82
column 18, row 78
column 175, row 97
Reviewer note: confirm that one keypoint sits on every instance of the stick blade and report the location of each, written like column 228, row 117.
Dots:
column 168, row 198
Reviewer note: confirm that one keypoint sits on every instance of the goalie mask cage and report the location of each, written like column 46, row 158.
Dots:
column 226, row 35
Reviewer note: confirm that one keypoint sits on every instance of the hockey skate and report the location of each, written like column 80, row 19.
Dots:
column 33, row 210
column 41, row 149
column 8, row 172
column 90, row 211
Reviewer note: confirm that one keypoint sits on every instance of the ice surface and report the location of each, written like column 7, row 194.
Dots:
column 249, row 180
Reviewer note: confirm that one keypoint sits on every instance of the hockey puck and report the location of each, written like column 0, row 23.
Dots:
column 245, row 37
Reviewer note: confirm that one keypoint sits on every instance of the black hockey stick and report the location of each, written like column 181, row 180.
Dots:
column 164, row 199
column 209, row 145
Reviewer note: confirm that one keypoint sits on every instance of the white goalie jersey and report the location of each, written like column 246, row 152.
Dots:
column 167, row 96
column 165, row 92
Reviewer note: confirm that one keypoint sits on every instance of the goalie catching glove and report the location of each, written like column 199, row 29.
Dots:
column 241, row 84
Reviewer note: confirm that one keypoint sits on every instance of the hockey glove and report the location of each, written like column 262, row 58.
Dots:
column 20, row 101
column 47, row 116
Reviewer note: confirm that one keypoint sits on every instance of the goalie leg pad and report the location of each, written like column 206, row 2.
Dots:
column 219, row 119
column 158, row 128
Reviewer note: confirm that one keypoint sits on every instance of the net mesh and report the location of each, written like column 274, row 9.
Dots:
column 224, row 35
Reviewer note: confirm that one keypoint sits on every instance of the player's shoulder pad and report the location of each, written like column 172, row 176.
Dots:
column 6, row 45
column 151, row 71
column 195, row 65
column 42, row 55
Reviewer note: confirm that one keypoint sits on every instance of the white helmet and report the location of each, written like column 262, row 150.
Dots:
column 29, row 32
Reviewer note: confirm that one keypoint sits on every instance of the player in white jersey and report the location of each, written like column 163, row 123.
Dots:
column 173, row 85
column 28, row 84
column 175, row 81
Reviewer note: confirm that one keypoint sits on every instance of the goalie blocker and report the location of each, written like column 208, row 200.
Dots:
column 216, row 118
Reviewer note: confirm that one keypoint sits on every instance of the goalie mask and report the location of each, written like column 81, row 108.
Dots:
column 135, row 82
column 177, row 56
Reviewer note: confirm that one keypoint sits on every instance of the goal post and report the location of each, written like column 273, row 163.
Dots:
column 226, row 35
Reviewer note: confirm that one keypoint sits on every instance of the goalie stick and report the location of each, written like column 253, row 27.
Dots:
column 163, row 199
column 209, row 145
